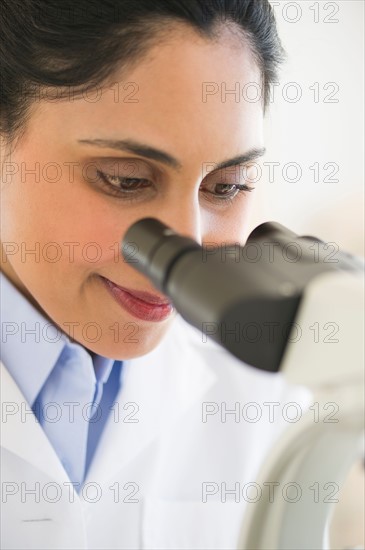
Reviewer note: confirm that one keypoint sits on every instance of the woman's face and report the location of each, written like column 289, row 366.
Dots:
column 63, row 221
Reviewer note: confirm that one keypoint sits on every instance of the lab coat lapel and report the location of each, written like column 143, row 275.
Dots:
column 156, row 390
column 22, row 434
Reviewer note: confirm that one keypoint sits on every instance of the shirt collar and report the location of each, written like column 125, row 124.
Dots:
column 31, row 345
column 102, row 367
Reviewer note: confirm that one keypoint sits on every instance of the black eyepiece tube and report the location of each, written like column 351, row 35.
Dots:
column 243, row 297
column 153, row 248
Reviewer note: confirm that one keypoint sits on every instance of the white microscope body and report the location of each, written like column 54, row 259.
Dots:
column 316, row 453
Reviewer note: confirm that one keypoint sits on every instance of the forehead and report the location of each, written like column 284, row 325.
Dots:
column 186, row 88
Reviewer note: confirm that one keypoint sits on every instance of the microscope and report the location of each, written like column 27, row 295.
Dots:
column 300, row 302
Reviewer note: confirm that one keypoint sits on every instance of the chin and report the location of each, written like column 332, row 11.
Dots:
column 133, row 345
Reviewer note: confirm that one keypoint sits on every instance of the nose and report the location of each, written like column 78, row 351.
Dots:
column 184, row 218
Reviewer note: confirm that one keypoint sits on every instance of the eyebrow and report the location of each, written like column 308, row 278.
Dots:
column 158, row 155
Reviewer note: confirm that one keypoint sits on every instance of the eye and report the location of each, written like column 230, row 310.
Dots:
column 121, row 185
column 230, row 189
column 228, row 185
column 121, row 182
column 226, row 192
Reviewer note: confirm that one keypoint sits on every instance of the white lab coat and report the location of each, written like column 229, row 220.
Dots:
column 160, row 473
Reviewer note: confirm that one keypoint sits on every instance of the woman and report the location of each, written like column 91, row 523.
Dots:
column 121, row 427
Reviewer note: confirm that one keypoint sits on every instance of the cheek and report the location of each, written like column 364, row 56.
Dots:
column 234, row 225
column 61, row 220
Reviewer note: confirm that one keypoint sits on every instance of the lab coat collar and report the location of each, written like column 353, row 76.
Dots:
column 21, row 432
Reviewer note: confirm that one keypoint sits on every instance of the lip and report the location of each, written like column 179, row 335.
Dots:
column 141, row 304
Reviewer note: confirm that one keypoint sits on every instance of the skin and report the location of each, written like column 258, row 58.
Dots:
column 169, row 115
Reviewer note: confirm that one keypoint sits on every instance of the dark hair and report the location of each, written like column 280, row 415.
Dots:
column 80, row 43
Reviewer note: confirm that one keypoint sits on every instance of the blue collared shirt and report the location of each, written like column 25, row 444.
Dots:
column 31, row 349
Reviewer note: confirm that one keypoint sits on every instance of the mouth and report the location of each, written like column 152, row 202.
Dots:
column 141, row 304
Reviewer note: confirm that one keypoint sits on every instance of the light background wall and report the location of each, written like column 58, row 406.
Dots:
column 325, row 51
